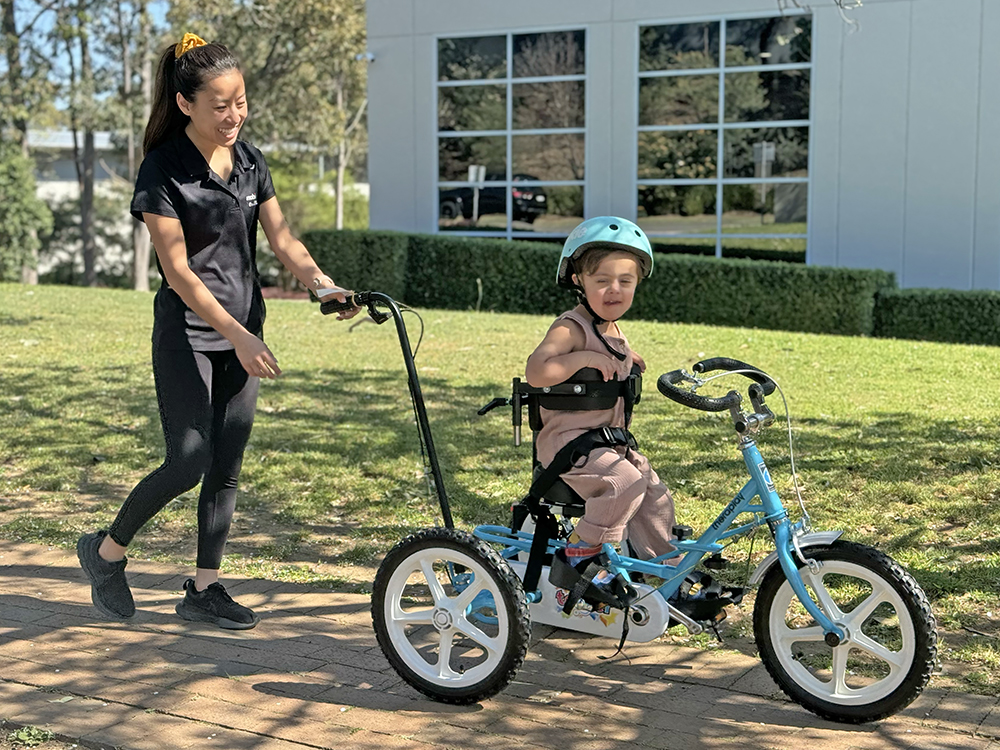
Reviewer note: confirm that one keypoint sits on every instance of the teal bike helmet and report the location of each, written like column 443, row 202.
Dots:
column 614, row 233
column 611, row 232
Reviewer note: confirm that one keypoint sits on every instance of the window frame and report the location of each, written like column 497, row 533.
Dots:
column 720, row 126
column 509, row 81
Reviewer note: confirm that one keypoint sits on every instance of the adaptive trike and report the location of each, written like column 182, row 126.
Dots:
column 843, row 629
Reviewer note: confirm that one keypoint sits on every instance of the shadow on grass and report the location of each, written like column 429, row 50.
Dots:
column 362, row 425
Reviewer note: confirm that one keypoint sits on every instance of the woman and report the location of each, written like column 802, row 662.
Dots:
column 201, row 192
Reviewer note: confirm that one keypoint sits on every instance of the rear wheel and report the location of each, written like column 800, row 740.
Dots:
column 450, row 616
column 891, row 645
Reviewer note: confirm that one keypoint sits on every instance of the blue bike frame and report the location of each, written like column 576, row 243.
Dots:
column 768, row 510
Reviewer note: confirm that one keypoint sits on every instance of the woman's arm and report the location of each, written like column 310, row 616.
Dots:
column 561, row 355
column 168, row 241
column 293, row 254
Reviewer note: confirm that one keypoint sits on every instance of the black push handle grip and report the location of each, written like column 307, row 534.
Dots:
column 330, row 306
column 351, row 301
column 725, row 363
column 667, row 385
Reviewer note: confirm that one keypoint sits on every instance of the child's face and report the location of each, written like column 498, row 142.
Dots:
column 611, row 288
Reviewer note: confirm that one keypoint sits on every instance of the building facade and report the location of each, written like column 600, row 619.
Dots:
column 725, row 124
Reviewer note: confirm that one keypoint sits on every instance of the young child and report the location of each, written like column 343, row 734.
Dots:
column 604, row 259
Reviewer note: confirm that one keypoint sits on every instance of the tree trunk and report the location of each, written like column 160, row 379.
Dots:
column 140, row 236
column 29, row 271
column 87, row 171
column 340, row 164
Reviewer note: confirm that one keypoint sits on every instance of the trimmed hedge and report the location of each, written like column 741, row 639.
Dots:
column 785, row 296
column 961, row 317
column 360, row 259
column 749, row 253
column 447, row 272
column 519, row 277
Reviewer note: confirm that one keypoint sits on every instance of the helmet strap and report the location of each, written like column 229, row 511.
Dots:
column 597, row 320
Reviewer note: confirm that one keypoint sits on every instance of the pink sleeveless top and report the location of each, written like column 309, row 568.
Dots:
column 560, row 427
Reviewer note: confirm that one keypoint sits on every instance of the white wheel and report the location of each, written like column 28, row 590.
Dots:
column 890, row 648
column 450, row 616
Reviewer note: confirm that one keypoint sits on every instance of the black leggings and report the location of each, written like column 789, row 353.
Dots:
column 207, row 404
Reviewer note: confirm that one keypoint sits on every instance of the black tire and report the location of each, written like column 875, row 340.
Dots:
column 499, row 629
column 796, row 658
column 449, row 210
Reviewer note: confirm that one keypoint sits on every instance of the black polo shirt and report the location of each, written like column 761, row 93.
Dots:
column 219, row 219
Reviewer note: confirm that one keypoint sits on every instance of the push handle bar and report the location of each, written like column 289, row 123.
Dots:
column 725, row 363
column 356, row 299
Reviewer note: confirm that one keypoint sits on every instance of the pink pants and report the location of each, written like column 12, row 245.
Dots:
column 623, row 493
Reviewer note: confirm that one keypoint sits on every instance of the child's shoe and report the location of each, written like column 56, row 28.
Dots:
column 109, row 590
column 216, row 606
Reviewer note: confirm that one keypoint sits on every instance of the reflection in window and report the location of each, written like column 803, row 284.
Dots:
column 680, row 100
column 539, row 123
column 456, row 155
column 706, row 163
column 472, row 58
column 558, row 156
column 556, row 53
column 472, row 108
column 679, row 46
column 559, row 104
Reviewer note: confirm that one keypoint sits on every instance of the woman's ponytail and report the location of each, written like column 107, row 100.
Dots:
column 186, row 75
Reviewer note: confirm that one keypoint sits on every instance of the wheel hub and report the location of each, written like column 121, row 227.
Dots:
column 442, row 619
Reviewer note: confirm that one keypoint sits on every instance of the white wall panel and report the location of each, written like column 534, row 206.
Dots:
column 986, row 249
column 389, row 17
column 477, row 16
column 624, row 104
column 873, row 136
column 602, row 118
column 391, row 134
column 941, row 153
column 824, row 137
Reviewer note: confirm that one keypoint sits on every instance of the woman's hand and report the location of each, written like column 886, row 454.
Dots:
column 256, row 358
column 325, row 282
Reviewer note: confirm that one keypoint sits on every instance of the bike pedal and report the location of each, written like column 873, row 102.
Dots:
column 682, row 532
column 716, row 562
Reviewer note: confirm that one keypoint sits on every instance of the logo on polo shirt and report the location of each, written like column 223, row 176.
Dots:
column 252, row 199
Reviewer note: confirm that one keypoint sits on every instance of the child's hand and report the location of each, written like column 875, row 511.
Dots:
column 637, row 360
column 604, row 363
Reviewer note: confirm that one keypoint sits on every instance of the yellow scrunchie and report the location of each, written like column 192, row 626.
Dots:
column 189, row 42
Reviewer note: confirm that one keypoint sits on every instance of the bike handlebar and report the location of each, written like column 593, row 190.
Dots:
column 667, row 385
column 357, row 299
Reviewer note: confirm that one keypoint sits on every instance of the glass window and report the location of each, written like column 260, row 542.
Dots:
column 472, row 108
column 548, row 105
column 472, row 58
column 707, row 167
column 679, row 46
column 559, row 156
column 679, row 100
column 521, row 168
column 555, row 53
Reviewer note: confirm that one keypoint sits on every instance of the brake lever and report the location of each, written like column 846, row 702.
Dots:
column 499, row 401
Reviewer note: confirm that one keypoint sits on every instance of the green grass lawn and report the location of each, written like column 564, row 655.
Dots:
column 896, row 442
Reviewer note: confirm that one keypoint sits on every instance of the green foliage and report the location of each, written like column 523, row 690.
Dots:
column 489, row 274
column 473, row 273
column 30, row 736
column 361, row 259
column 61, row 244
column 782, row 296
column 965, row 317
column 22, row 216
column 308, row 201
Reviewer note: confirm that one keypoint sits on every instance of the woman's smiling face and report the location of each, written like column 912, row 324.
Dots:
column 219, row 109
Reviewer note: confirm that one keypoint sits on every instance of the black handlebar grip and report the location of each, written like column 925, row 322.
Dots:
column 667, row 385
column 725, row 363
column 330, row 306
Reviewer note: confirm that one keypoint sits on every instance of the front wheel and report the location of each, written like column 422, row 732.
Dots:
column 891, row 645
column 450, row 616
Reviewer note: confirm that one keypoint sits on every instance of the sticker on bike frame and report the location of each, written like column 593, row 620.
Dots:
column 767, row 476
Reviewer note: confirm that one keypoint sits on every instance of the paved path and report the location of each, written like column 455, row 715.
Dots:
column 311, row 676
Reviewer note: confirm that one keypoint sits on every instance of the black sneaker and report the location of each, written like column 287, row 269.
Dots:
column 109, row 590
column 216, row 606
